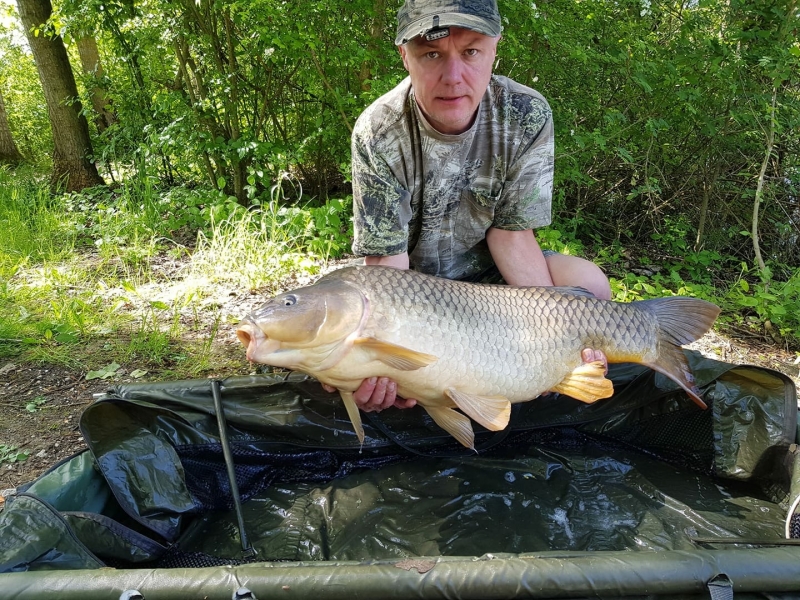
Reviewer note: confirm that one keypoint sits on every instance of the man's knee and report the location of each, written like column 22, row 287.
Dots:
column 574, row 271
column 597, row 282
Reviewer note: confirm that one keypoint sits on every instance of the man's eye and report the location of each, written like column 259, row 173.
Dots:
column 432, row 55
column 471, row 51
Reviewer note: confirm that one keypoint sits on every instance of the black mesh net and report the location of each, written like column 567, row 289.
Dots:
column 256, row 469
column 176, row 559
column 794, row 526
column 683, row 438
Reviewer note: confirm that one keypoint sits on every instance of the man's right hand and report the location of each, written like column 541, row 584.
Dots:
column 376, row 393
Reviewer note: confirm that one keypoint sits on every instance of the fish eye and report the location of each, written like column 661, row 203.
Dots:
column 290, row 300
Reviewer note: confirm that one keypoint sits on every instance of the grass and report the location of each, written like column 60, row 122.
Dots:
column 251, row 249
column 32, row 224
column 80, row 284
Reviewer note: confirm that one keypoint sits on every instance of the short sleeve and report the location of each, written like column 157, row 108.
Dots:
column 526, row 199
column 381, row 206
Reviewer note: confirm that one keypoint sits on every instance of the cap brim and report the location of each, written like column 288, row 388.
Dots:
column 422, row 26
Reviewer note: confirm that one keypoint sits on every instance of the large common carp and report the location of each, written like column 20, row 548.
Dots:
column 477, row 348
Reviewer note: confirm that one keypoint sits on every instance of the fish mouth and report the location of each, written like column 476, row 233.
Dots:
column 256, row 341
column 245, row 333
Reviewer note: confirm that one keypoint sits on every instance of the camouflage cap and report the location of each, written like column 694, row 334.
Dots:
column 418, row 17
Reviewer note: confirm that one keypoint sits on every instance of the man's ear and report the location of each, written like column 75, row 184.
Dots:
column 402, row 50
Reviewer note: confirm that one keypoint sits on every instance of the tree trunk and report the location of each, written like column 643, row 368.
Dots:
column 368, row 69
column 72, row 168
column 90, row 61
column 762, row 267
column 9, row 153
column 709, row 180
column 197, row 93
column 232, row 108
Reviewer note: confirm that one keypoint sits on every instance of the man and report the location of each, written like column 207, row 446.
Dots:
column 453, row 169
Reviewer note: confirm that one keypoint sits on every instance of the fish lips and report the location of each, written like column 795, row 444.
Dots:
column 258, row 345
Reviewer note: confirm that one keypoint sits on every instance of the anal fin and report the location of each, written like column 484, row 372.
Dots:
column 492, row 412
column 398, row 357
column 586, row 383
column 454, row 423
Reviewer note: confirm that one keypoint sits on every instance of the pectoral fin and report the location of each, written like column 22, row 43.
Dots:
column 397, row 357
column 353, row 413
column 454, row 423
column 492, row 412
column 586, row 383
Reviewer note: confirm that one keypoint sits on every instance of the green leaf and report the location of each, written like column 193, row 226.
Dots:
column 625, row 155
column 66, row 338
column 747, row 301
column 776, row 310
column 103, row 373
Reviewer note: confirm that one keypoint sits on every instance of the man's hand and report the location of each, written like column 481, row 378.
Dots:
column 376, row 393
column 589, row 355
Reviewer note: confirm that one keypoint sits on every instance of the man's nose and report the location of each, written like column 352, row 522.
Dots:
column 453, row 68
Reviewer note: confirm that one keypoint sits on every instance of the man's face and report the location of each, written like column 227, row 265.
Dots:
column 450, row 76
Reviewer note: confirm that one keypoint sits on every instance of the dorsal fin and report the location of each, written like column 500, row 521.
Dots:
column 572, row 291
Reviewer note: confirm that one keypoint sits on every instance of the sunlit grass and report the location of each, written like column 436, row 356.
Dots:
column 78, row 285
column 33, row 224
column 251, row 248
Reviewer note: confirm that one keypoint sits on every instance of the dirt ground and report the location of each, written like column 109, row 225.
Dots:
column 40, row 408
column 40, row 405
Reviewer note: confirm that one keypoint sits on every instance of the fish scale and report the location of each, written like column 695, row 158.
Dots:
column 476, row 348
column 482, row 323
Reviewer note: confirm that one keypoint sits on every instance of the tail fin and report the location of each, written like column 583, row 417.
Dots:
column 680, row 321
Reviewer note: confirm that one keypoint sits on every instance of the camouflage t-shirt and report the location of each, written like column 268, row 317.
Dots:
column 434, row 195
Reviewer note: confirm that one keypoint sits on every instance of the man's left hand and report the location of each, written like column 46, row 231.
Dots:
column 589, row 355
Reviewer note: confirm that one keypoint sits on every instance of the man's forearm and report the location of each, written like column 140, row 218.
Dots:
column 398, row 261
column 518, row 257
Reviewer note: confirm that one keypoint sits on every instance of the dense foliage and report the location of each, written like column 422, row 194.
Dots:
column 677, row 124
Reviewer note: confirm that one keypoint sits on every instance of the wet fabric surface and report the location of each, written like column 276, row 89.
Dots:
column 645, row 470
column 559, row 498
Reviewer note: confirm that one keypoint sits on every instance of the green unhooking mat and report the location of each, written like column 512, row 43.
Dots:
column 643, row 495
